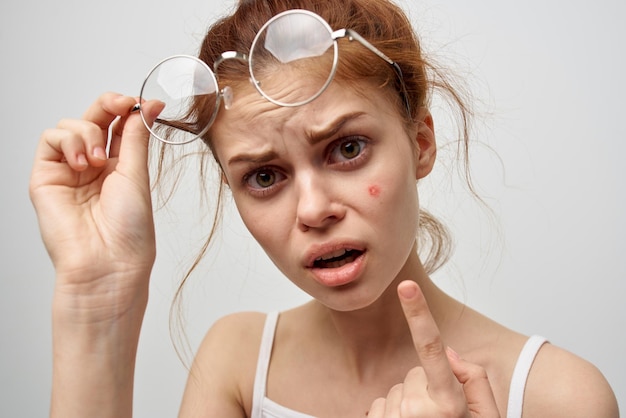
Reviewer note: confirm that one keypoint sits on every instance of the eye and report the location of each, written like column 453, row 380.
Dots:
column 262, row 179
column 347, row 149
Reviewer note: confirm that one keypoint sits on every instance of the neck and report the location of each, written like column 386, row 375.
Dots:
column 373, row 338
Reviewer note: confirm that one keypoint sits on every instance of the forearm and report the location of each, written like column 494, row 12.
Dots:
column 94, row 348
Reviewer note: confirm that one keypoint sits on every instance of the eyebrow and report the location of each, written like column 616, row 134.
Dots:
column 332, row 128
column 254, row 158
column 314, row 137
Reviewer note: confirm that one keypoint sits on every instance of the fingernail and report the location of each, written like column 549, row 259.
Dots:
column 99, row 153
column 158, row 108
column 81, row 159
column 407, row 290
column 453, row 353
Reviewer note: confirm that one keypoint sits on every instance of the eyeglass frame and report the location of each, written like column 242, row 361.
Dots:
column 336, row 35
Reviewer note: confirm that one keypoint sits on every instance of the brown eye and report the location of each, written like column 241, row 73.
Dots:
column 350, row 149
column 265, row 178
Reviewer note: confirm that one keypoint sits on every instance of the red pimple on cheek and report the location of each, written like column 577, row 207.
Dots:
column 374, row 190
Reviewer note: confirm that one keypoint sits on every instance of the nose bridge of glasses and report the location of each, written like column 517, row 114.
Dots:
column 229, row 55
column 227, row 92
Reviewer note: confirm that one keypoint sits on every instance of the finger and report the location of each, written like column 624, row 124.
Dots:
column 60, row 145
column 108, row 107
column 81, row 143
column 135, row 139
column 377, row 410
column 91, row 136
column 117, row 129
column 414, row 392
column 109, row 112
column 63, row 154
column 393, row 402
column 476, row 386
column 72, row 146
column 427, row 340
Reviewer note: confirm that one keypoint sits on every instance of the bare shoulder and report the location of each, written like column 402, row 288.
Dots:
column 235, row 328
column 562, row 384
column 221, row 378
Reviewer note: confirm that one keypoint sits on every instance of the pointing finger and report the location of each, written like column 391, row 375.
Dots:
column 427, row 341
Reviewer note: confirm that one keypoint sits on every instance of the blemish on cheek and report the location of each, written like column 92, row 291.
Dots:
column 374, row 190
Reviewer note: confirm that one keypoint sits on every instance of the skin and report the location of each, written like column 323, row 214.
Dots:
column 379, row 340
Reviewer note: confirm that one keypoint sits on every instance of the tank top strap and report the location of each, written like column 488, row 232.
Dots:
column 520, row 375
column 263, row 362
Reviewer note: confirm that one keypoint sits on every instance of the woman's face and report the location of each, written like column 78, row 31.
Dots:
column 328, row 189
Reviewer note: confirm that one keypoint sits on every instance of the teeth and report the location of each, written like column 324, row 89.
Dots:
column 334, row 254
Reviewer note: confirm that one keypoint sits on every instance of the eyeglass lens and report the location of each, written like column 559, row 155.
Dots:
column 292, row 46
column 187, row 86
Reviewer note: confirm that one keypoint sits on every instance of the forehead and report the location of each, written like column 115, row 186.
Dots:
column 252, row 121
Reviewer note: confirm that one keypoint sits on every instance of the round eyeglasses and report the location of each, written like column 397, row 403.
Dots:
column 290, row 42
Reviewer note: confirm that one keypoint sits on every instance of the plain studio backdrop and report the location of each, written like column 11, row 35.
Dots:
column 549, row 81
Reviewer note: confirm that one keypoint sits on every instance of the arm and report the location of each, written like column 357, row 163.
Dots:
column 95, row 217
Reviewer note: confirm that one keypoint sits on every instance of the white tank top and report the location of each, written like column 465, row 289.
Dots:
column 263, row 407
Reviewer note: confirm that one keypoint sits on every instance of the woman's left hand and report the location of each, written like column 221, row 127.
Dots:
column 444, row 385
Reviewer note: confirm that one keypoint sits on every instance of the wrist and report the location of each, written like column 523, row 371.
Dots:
column 88, row 300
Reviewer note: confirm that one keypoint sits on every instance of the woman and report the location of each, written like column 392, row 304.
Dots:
column 324, row 177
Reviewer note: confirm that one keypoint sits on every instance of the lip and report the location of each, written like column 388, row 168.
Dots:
column 336, row 276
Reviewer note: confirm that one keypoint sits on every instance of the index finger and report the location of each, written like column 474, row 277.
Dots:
column 107, row 108
column 105, row 111
column 426, row 339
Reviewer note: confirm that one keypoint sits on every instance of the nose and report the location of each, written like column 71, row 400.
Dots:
column 318, row 207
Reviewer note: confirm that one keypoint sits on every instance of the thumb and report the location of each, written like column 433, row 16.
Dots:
column 476, row 386
column 135, row 137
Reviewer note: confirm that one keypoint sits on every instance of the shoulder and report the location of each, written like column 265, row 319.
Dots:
column 236, row 327
column 561, row 384
column 221, row 378
column 232, row 343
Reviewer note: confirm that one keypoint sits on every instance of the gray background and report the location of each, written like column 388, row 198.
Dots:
column 549, row 80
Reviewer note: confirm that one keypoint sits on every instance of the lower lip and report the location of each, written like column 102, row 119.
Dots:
column 339, row 276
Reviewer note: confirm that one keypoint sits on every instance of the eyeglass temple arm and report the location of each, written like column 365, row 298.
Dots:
column 229, row 55
column 171, row 124
column 352, row 35
column 175, row 125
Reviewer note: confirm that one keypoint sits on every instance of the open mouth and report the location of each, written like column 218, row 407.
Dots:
column 336, row 259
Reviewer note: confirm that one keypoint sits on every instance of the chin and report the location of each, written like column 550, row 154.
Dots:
column 350, row 298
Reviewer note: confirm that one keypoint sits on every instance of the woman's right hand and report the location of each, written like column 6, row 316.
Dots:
column 94, row 209
column 95, row 216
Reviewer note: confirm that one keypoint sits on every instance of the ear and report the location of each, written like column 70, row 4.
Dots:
column 426, row 145
column 224, row 178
